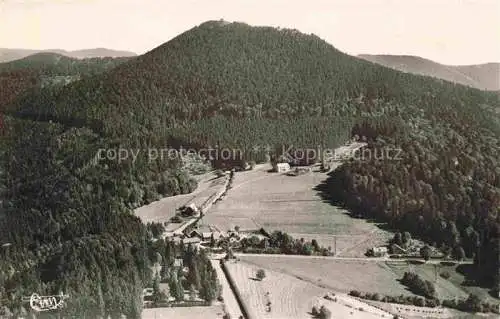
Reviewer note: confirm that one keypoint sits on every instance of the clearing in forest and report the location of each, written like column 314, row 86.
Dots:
column 276, row 201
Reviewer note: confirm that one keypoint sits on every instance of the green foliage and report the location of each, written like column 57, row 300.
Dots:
column 282, row 243
column 425, row 252
column 418, row 285
column 44, row 70
column 471, row 304
column 406, row 238
column 176, row 289
column 156, row 229
column 315, row 311
column 444, row 184
column 445, row 275
column 261, row 274
column 324, row 313
column 408, row 300
column 158, row 294
column 459, row 253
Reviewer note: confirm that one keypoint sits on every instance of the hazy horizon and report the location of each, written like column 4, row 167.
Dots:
column 452, row 32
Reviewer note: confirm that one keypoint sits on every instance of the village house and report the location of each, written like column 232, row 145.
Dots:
column 259, row 233
column 189, row 211
column 192, row 240
column 147, row 292
column 207, row 235
column 378, row 251
column 168, row 234
column 176, row 239
column 281, row 167
column 195, row 233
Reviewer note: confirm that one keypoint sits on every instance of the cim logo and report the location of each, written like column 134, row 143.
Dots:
column 46, row 303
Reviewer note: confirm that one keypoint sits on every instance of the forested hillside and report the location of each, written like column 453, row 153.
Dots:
column 237, row 86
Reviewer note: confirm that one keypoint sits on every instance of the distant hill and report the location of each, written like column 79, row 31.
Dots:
column 99, row 53
column 45, row 69
column 481, row 76
column 49, row 63
column 7, row 55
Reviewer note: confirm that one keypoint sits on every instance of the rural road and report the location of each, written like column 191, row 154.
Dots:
column 372, row 259
column 230, row 303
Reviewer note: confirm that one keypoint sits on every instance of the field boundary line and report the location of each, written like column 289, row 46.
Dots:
column 236, row 291
column 364, row 240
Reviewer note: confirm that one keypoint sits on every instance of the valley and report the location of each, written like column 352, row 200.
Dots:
column 262, row 199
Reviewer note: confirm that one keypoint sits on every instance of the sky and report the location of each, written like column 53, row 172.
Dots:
column 452, row 32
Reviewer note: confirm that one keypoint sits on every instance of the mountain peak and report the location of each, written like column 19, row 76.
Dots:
column 216, row 23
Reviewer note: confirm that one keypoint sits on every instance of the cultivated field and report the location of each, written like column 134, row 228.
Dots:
column 276, row 201
column 336, row 275
column 164, row 209
column 212, row 312
column 290, row 297
column 230, row 303
column 345, row 275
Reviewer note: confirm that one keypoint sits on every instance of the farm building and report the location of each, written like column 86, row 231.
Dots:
column 189, row 210
column 218, row 235
column 147, row 292
column 207, row 235
column 192, row 240
column 176, row 239
column 378, row 251
column 259, row 233
column 281, row 167
column 178, row 262
column 195, row 233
